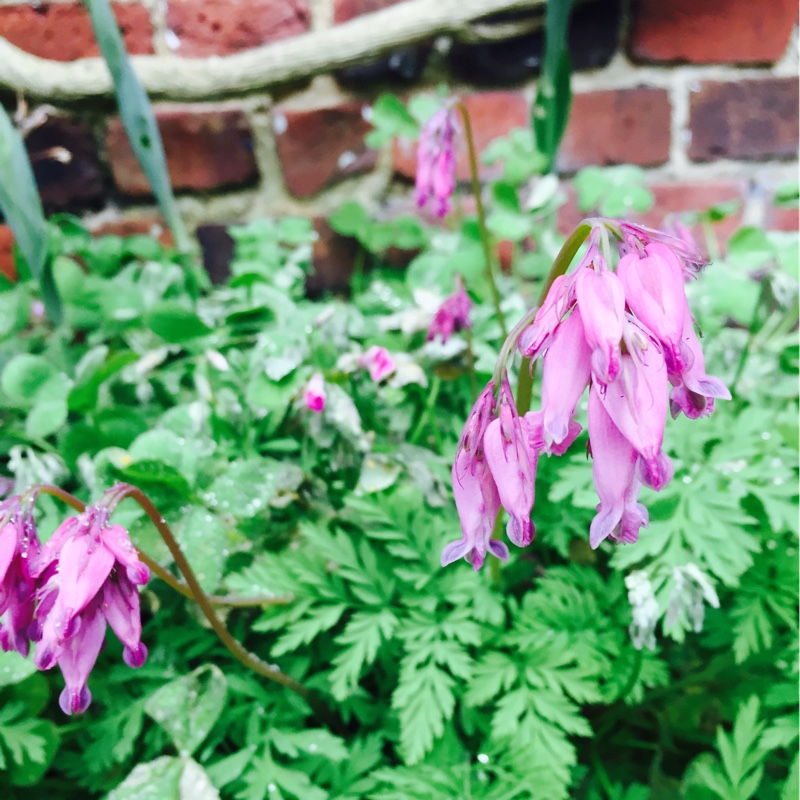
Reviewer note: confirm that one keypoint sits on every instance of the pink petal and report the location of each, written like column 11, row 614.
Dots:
column 121, row 609
column 478, row 504
column 315, row 393
column 8, row 548
column 566, row 369
column 84, row 566
column 558, row 302
column 77, row 660
column 117, row 541
column 654, row 290
column 52, row 547
column 601, row 299
column 637, row 403
column 614, row 472
column 513, row 466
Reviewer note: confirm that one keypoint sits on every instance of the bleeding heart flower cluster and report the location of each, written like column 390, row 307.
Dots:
column 62, row 595
column 626, row 334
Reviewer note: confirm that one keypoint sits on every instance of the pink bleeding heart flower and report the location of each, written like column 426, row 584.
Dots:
column 619, row 514
column 654, row 290
column 533, row 425
column 379, row 363
column 601, row 298
column 474, row 489
column 481, row 414
column 88, row 572
column 315, row 393
column 694, row 391
column 636, row 237
column 513, row 466
column 452, row 315
column 637, row 403
column 477, row 503
column 560, row 299
column 436, row 162
column 18, row 545
column 566, row 369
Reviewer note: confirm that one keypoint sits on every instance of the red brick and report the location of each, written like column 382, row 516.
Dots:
column 344, row 10
column 782, row 219
column 63, row 32
column 711, row 31
column 747, row 119
column 7, row 265
column 322, row 146
column 674, row 198
column 221, row 27
column 617, row 126
column 205, row 149
column 492, row 114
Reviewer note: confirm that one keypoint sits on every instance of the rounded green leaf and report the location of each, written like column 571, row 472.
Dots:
column 188, row 707
column 174, row 323
column 24, row 376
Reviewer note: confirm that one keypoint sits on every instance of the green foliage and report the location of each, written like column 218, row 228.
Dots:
column 444, row 686
column 614, row 192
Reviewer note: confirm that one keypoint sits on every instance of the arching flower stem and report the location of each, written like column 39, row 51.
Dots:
column 484, row 231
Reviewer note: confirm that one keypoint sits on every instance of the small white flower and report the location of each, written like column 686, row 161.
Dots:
column 645, row 609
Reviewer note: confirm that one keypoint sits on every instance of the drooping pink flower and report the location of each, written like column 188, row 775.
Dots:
column 533, row 426
column 636, row 401
column 654, row 291
column 601, row 298
column 513, row 466
column 694, row 391
column 452, row 315
column 477, row 503
column 566, row 369
column 560, row 299
column 481, row 414
column 636, row 237
column 315, row 393
column 436, row 162
column 619, row 514
column 379, row 363
column 88, row 572
column 18, row 545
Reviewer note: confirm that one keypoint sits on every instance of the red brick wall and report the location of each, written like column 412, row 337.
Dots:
column 703, row 94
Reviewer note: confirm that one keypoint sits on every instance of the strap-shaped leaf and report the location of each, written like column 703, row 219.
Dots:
column 554, row 95
column 137, row 116
column 22, row 208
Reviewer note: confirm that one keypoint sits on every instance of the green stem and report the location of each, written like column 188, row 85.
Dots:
column 426, row 414
column 748, row 346
column 473, row 376
column 232, row 600
column 484, row 232
column 600, row 770
column 560, row 266
column 495, row 565
column 242, row 655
